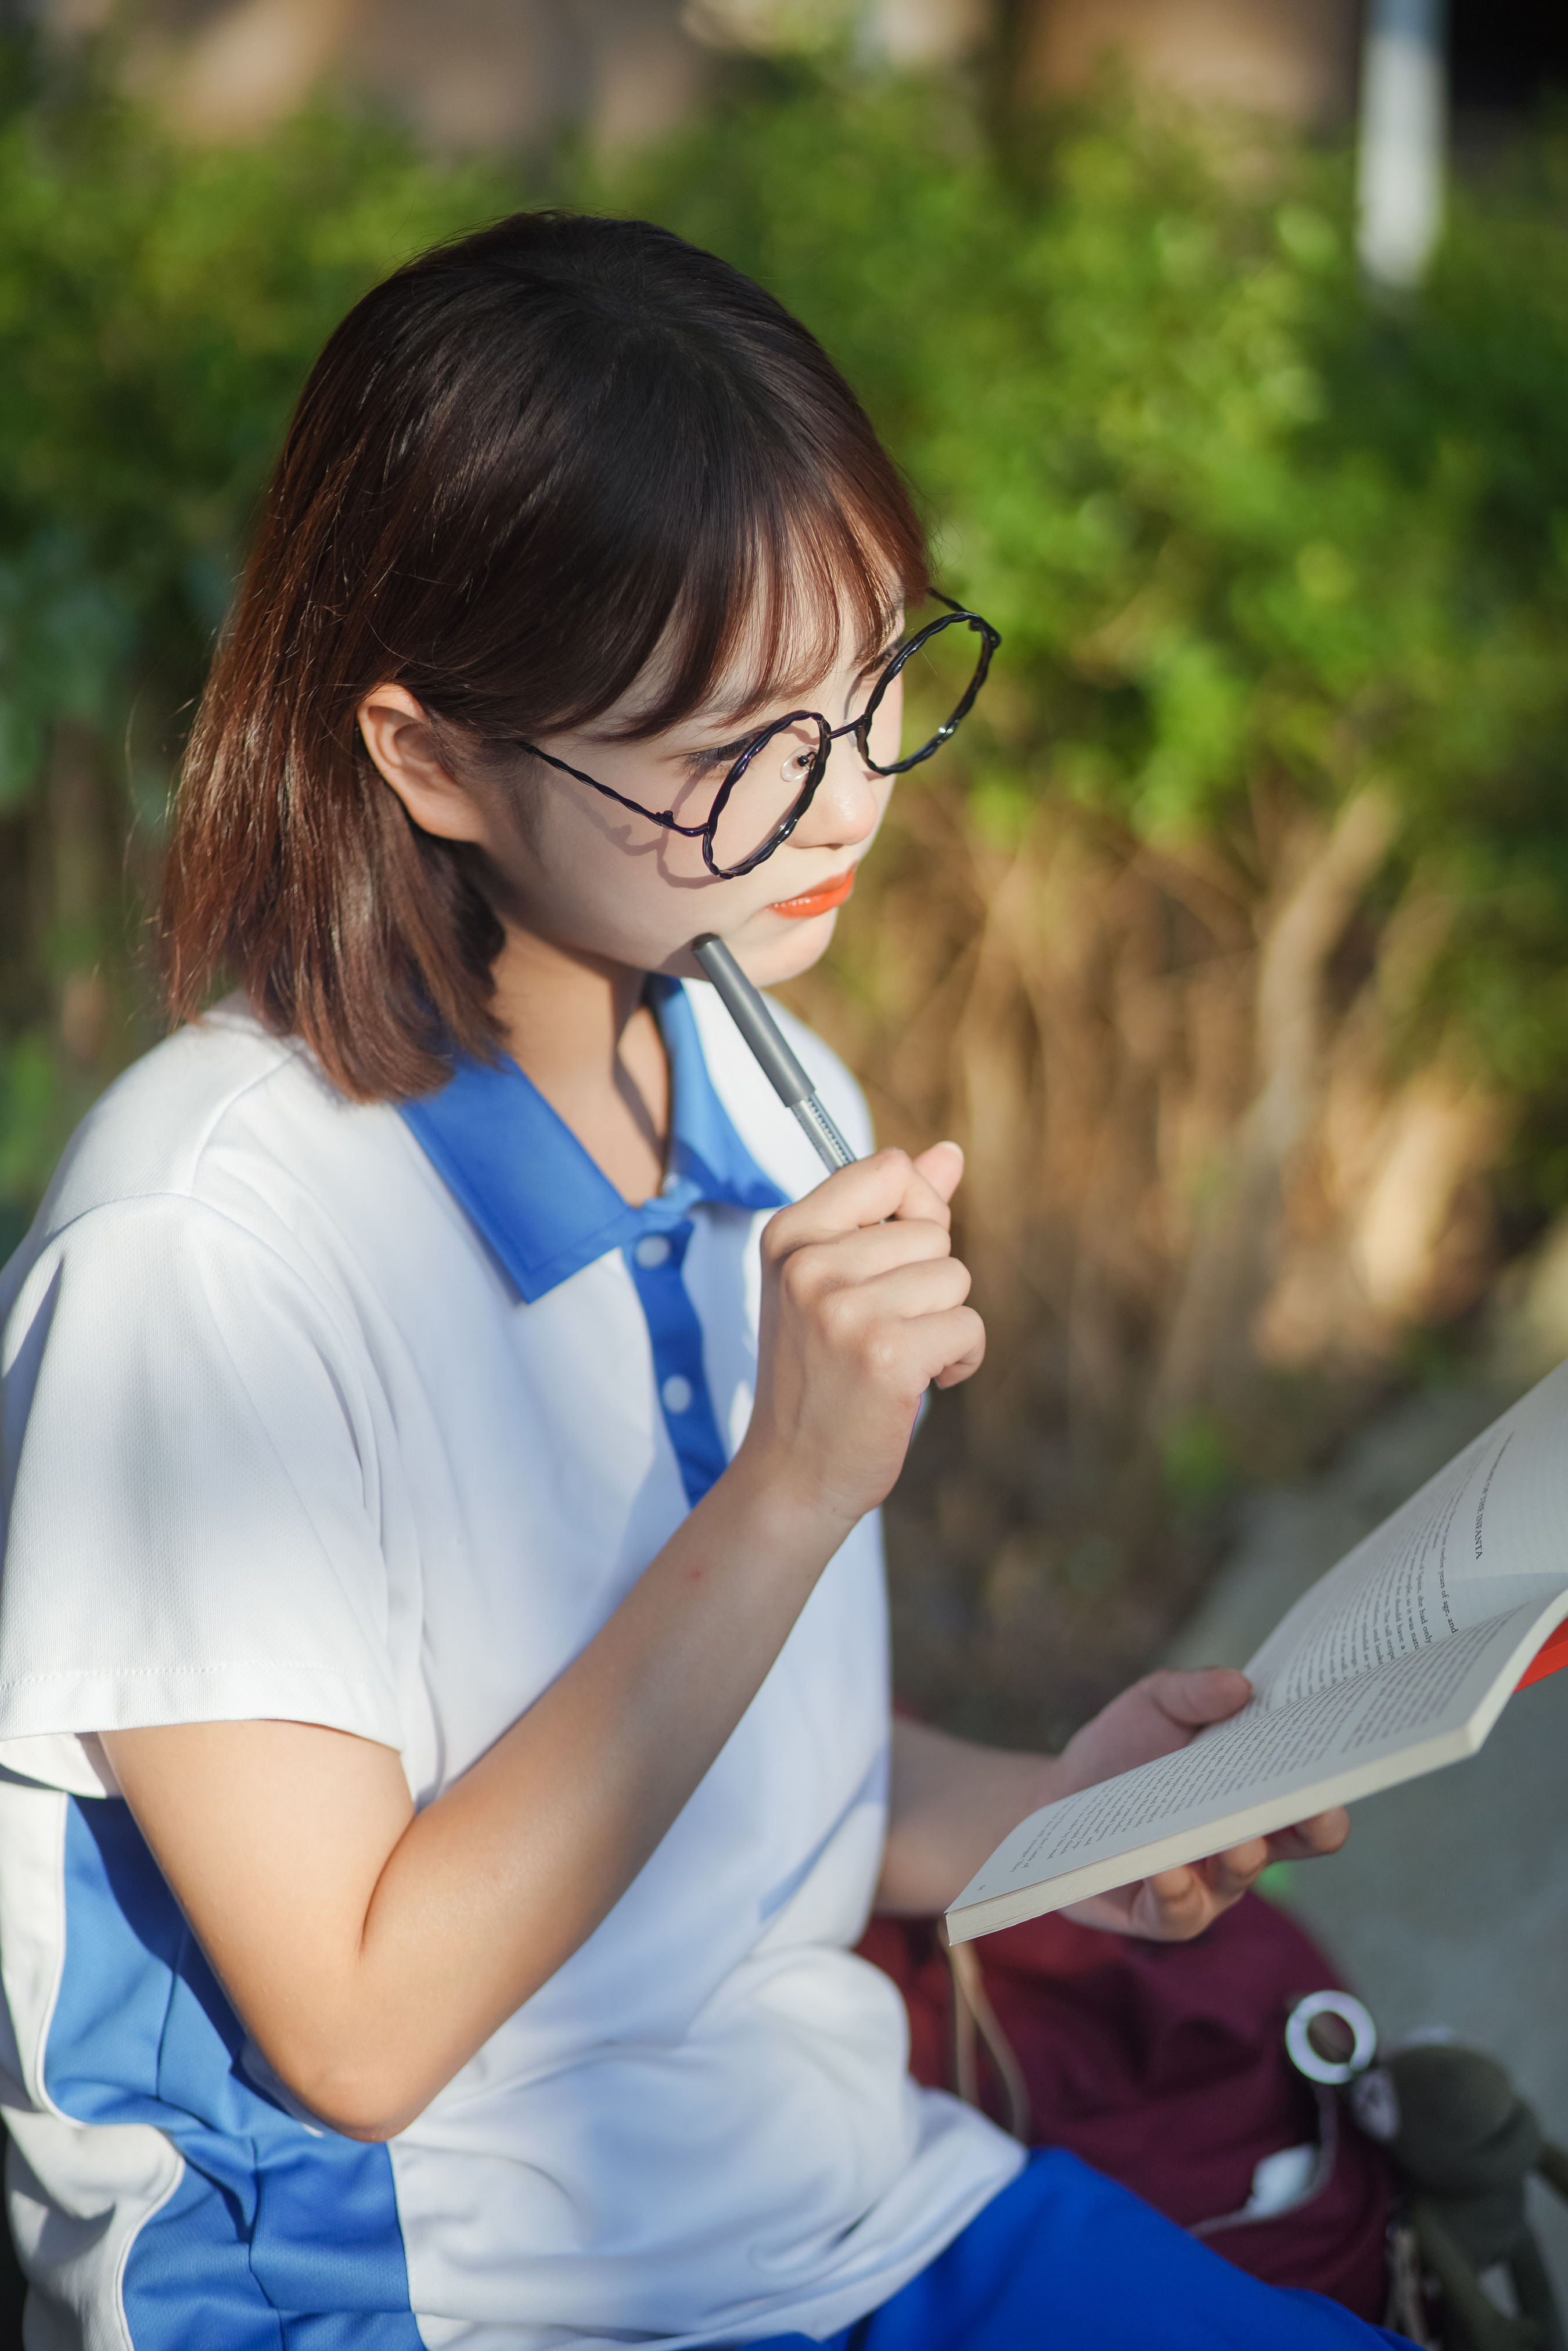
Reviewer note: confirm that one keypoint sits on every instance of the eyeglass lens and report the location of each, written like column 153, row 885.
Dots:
column 939, row 671
column 761, row 795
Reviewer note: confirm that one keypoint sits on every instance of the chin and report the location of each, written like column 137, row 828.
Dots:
column 777, row 949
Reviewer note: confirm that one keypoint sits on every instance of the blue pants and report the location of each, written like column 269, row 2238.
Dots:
column 1063, row 2259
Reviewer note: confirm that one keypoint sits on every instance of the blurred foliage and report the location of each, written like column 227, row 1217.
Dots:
column 1250, row 541
column 1246, row 534
column 159, row 308
column 1260, row 550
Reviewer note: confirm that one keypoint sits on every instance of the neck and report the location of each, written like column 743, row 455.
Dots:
column 564, row 1013
column 578, row 1027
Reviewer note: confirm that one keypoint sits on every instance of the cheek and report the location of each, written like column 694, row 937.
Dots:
column 887, row 726
column 616, row 887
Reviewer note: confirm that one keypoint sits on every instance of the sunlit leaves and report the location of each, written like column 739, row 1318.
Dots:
column 1243, row 534
column 158, row 307
column 1242, row 530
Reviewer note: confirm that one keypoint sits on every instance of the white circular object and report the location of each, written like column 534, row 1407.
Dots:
column 677, row 1393
column 651, row 1249
column 1351, row 2013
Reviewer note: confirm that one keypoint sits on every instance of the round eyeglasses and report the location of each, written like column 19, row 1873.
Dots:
column 772, row 782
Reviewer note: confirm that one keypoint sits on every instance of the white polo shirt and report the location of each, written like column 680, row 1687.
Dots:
column 367, row 1418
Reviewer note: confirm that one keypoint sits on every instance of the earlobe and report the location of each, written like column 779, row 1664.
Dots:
column 398, row 736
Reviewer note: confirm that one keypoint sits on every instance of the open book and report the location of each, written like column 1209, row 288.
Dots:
column 1400, row 1659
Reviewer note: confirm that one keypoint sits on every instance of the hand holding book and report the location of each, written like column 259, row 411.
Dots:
column 1399, row 1661
column 1158, row 1717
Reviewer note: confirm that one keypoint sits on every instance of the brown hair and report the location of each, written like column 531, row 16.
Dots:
column 520, row 467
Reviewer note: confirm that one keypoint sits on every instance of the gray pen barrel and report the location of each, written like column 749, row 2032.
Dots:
column 830, row 1146
column 758, row 1026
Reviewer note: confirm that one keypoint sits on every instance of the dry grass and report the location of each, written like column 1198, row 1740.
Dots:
column 1205, row 1206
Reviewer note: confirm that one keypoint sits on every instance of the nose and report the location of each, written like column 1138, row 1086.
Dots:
column 848, row 802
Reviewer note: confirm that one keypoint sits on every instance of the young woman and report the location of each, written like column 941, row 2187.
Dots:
column 443, row 1685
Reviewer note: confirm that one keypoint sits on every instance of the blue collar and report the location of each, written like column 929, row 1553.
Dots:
column 539, row 1200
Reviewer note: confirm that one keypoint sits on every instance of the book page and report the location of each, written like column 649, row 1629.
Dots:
column 1285, row 1757
column 1488, row 1534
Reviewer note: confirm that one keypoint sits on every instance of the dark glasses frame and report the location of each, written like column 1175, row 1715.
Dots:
column 959, row 616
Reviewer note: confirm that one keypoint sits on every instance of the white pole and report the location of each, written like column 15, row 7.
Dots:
column 916, row 33
column 1404, row 108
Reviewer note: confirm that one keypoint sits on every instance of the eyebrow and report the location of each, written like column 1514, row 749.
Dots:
column 882, row 653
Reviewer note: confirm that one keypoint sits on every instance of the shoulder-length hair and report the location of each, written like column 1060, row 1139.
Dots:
column 520, row 467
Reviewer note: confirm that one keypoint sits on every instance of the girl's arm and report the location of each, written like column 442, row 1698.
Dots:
column 370, row 1951
column 953, row 1803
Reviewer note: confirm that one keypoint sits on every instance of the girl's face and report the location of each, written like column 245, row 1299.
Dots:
column 572, row 867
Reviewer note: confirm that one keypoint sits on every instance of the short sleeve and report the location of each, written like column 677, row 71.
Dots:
column 190, row 1487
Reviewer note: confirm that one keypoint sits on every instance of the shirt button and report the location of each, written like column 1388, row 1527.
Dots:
column 676, row 1392
column 651, row 1249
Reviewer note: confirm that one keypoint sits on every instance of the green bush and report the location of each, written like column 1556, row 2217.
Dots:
column 1250, row 541
column 1246, row 534
column 159, row 308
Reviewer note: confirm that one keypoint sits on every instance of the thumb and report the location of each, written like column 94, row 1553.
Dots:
column 1202, row 1694
column 942, row 1167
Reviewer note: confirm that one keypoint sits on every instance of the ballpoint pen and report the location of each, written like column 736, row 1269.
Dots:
column 758, row 1026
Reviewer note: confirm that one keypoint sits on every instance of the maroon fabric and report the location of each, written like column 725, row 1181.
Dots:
column 1163, row 2065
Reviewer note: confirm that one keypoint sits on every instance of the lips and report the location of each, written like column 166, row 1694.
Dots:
column 820, row 901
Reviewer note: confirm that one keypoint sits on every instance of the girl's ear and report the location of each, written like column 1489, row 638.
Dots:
column 398, row 738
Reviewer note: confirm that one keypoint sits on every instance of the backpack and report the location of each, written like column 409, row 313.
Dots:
column 1163, row 2065
column 1229, row 2082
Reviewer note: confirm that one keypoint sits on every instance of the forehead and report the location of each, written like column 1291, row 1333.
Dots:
column 816, row 653
column 792, row 637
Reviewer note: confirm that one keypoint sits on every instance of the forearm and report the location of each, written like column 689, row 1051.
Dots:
column 951, row 1805
column 494, row 1886
column 415, row 1936
column 369, row 1953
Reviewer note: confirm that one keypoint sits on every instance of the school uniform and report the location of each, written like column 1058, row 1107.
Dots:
column 371, row 1417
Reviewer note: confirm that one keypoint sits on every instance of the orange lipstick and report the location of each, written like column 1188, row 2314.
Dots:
column 820, row 901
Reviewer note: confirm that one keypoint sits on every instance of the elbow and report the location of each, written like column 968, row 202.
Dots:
column 371, row 2110
column 369, row 2131
column 362, row 2102
column 353, row 2111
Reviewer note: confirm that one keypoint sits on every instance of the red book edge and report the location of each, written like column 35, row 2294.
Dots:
column 1549, row 1658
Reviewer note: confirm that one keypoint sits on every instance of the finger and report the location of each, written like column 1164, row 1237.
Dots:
column 1230, row 1873
column 865, row 1254
column 942, row 1168
column 885, row 1184
column 1201, row 1695
column 959, row 1339
column 933, row 1180
column 1171, row 1907
column 1176, row 1904
column 932, row 1347
column 1324, row 1834
column 863, row 1311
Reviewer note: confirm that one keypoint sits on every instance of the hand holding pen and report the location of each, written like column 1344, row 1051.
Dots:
column 892, row 1191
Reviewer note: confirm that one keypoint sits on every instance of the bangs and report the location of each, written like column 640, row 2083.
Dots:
column 562, row 468
column 769, row 617
column 730, row 529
